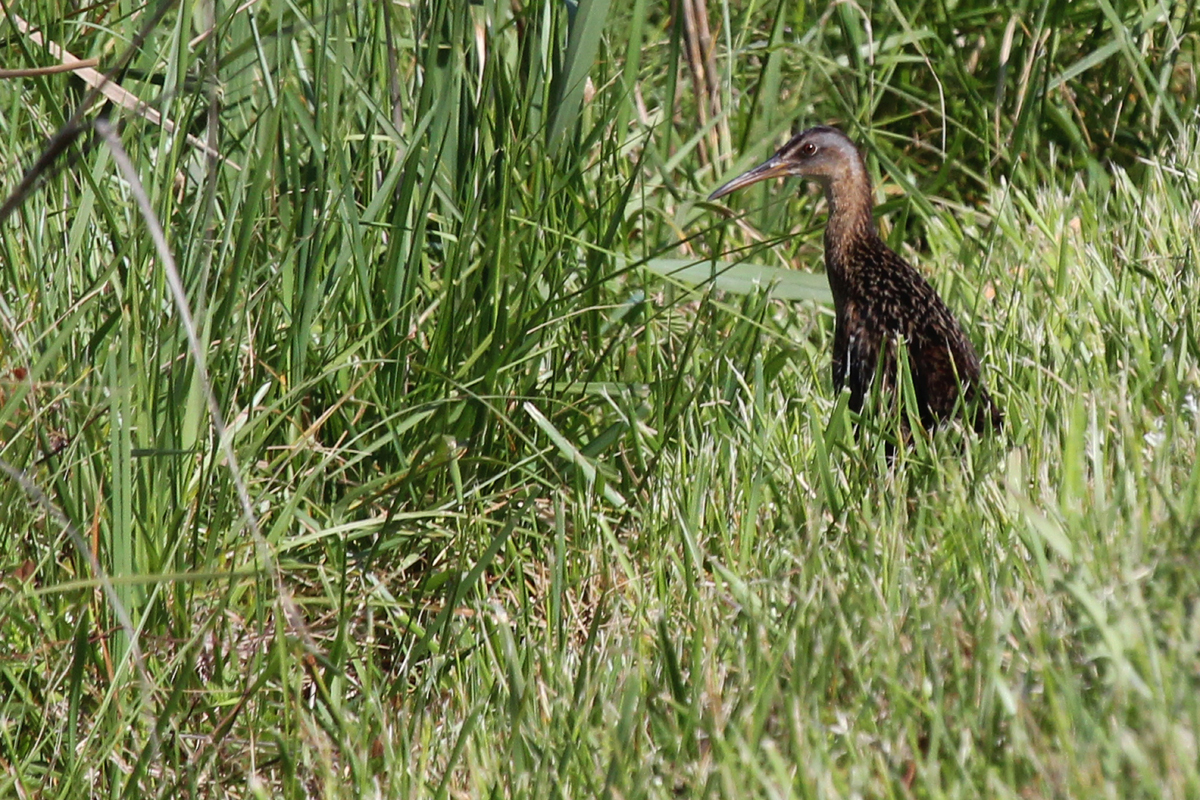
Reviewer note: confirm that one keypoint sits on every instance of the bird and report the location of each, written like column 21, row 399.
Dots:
column 879, row 298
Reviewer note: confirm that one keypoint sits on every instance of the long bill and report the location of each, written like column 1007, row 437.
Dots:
column 773, row 167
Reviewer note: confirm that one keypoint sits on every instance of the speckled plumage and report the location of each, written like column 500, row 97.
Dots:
column 878, row 296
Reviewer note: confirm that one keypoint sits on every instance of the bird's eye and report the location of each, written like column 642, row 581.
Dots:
column 807, row 149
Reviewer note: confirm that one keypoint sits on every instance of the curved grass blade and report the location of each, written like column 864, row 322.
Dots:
column 743, row 278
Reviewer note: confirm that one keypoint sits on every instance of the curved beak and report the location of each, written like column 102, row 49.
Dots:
column 773, row 167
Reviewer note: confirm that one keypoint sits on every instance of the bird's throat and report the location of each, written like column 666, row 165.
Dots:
column 851, row 223
column 850, row 204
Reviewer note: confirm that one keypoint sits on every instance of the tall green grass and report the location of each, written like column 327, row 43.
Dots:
column 537, row 512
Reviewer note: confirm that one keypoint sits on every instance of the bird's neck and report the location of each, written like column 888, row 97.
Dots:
column 851, row 222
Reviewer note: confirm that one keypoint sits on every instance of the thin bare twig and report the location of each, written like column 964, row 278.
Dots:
column 53, row 69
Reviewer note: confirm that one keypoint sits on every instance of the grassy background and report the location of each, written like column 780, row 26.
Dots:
column 532, row 517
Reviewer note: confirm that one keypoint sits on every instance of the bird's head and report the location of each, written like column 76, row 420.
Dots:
column 822, row 153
